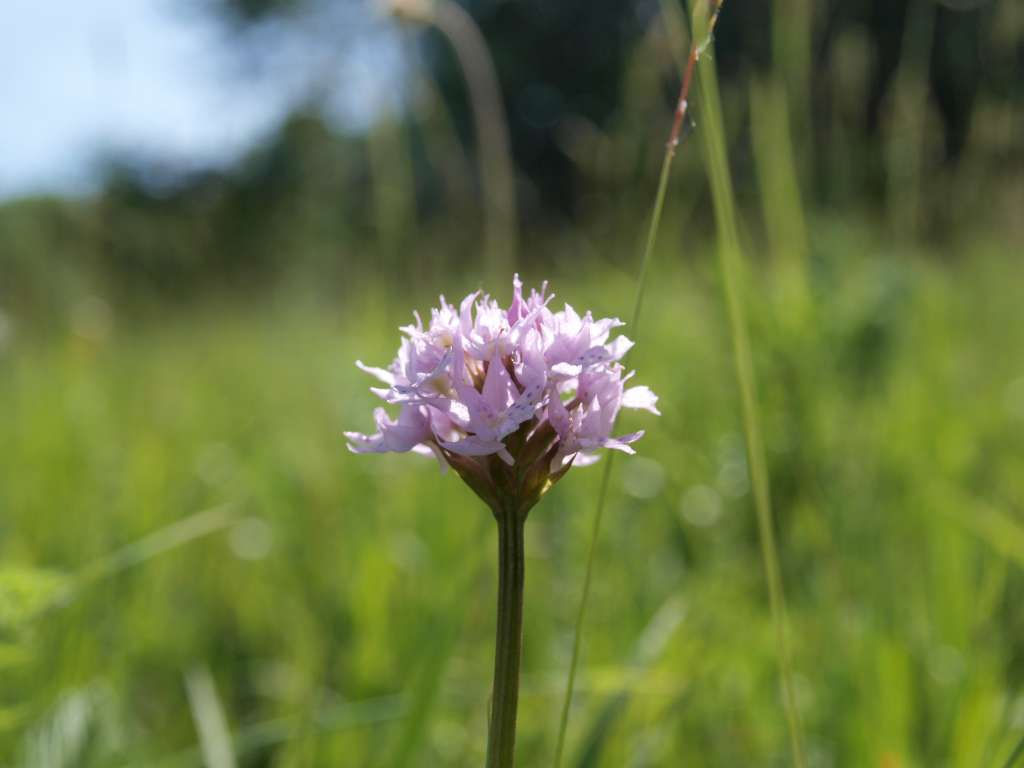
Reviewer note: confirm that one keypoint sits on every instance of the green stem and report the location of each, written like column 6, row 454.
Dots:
column 682, row 106
column 501, row 741
column 570, row 685
column 730, row 260
column 497, row 176
column 1017, row 754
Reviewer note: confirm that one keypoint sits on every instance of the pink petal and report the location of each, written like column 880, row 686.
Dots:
column 641, row 398
column 466, row 312
column 431, row 449
column 620, row 346
column 474, row 445
column 386, row 376
column 497, row 385
column 558, row 415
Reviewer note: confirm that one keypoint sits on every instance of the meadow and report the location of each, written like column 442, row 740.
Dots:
column 332, row 609
column 195, row 571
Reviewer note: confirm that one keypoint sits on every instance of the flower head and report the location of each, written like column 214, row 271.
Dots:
column 511, row 398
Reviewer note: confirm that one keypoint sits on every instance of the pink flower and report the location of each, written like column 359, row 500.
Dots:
column 535, row 390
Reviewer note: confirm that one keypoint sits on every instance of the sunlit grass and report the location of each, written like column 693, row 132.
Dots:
column 345, row 623
column 736, row 295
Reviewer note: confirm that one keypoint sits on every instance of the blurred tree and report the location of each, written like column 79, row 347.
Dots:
column 287, row 202
column 315, row 193
column 255, row 10
column 566, row 61
column 554, row 60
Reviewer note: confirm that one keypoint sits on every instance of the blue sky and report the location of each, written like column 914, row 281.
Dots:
column 82, row 77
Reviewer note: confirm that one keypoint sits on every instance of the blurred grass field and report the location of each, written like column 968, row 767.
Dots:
column 194, row 571
column 344, row 614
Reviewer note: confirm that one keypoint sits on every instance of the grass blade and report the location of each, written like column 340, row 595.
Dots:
column 682, row 107
column 166, row 539
column 497, row 176
column 210, row 720
column 648, row 650
column 1018, row 753
column 446, row 626
column 730, row 255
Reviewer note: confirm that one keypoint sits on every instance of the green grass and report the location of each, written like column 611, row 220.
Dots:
column 894, row 428
column 732, row 268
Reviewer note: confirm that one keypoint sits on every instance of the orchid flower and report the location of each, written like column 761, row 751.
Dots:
column 511, row 399
column 539, row 390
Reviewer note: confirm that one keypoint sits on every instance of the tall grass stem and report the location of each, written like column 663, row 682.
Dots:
column 497, row 177
column 165, row 539
column 730, row 261
column 210, row 719
column 678, row 120
column 779, row 186
column 1015, row 757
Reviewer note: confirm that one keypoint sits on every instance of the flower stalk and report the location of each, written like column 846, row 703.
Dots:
column 508, row 646
column 705, row 17
column 510, row 399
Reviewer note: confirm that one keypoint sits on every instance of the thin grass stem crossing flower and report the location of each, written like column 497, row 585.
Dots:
column 511, row 399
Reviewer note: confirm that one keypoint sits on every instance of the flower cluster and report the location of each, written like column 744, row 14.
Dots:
column 510, row 398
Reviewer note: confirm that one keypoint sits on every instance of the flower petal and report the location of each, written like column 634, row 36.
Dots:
column 497, row 385
column 400, row 435
column 386, row 376
column 641, row 398
column 474, row 445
